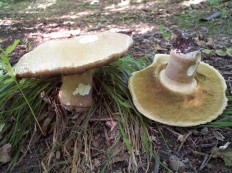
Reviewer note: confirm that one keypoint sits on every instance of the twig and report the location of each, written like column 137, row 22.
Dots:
column 204, row 162
column 174, row 132
column 184, row 140
column 203, row 154
column 44, row 168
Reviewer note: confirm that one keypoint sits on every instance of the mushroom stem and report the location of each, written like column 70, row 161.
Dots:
column 179, row 74
column 76, row 91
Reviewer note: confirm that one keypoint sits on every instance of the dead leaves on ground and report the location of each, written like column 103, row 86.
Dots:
column 6, row 153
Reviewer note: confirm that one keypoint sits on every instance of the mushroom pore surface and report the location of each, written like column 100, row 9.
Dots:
column 159, row 103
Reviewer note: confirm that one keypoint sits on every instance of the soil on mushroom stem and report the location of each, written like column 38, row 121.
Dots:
column 37, row 27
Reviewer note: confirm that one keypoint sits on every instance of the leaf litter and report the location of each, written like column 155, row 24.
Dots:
column 82, row 144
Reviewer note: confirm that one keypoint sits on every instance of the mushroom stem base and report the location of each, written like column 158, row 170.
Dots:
column 177, row 87
column 76, row 91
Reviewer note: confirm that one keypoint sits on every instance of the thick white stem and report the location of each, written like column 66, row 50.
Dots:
column 76, row 91
column 179, row 74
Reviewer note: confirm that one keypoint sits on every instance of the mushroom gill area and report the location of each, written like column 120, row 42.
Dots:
column 156, row 102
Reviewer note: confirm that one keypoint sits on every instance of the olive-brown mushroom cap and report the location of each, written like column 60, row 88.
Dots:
column 72, row 56
column 157, row 103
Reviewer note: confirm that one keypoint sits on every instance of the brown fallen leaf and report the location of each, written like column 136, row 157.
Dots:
column 157, row 47
column 5, row 153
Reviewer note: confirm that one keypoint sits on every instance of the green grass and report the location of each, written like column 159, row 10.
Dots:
column 19, row 102
column 21, row 106
column 115, row 95
column 191, row 20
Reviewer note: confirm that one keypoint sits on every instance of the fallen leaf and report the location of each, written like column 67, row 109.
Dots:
column 175, row 163
column 227, row 157
column 207, row 51
column 5, row 153
column 221, row 52
column 158, row 48
column 210, row 43
column 180, row 138
column 46, row 124
column 229, row 52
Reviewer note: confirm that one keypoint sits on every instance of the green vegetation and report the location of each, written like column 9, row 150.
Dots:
column 190, row 20
column 22, row 106
column 6, row 2
column 219, row 25
column 20, row 102
column 164, row 33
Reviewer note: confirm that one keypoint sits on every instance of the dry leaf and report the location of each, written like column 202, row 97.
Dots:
column 158, row 48
column 5, row 153
column 180, row 137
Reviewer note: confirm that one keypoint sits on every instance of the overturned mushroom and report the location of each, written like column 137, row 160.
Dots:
column 73, row 59
column 179, row 90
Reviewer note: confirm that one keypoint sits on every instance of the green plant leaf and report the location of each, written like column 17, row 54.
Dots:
column 164, row 34
column 224, row 14
column 161, row 28
column 126, row 104
column 5, row 63
column 207, row 51
column 11, row 48
column 227, row 157
column 2, row 125
column 221, row 52
column 229, row 51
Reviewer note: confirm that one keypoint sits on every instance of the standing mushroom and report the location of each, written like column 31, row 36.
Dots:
column 73, row 59
column 179, row 90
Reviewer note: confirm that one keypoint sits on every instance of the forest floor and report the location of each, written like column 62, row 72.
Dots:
column 154, row 27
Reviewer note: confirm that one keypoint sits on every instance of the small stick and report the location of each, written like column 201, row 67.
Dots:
column 183, row 141
column 204, row 162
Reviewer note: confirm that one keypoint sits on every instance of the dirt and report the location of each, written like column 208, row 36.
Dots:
column 36, row 21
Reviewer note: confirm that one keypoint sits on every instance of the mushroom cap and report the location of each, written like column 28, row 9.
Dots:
column 72, row 56
column 157, row 103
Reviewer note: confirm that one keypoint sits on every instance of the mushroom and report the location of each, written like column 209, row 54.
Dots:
column 179, row 90
column 73, row 59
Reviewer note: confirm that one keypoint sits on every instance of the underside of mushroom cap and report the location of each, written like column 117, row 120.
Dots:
column 157, row 103
column 74, row 55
